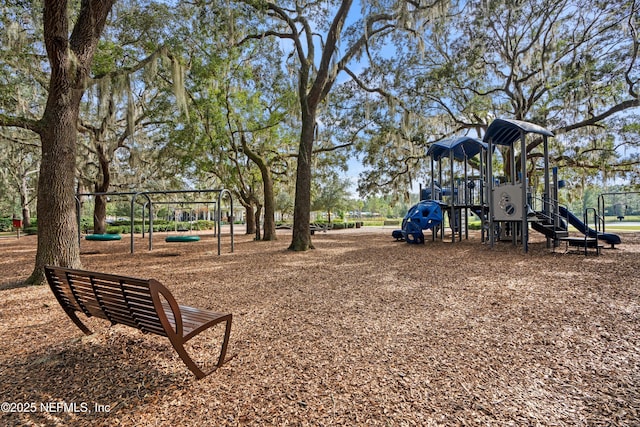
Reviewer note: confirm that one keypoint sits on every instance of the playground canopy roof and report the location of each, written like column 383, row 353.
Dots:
column 463, row 147
column 507, row 131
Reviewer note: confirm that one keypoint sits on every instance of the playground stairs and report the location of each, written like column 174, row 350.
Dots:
column 560, row 234
column 545, row 226
column 550, row 231
column 582, row 243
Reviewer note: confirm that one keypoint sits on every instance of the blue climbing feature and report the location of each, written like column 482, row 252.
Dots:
column 423, row 216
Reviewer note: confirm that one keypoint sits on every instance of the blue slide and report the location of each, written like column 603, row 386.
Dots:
column 612, row 239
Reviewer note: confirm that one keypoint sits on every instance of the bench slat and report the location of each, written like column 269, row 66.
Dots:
column 192, row 318
column 62, row 292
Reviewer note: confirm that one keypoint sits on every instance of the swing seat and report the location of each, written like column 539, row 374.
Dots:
column 103, row 237
column 182, row 239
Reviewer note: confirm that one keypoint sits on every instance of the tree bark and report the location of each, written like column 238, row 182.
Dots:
column 301, row 239
column 56, row 210
column 256, row 220
column 70, row 59
column 268, row 193
column 24, row 202
column 102, row 186
column 100, row 215
column 269, row 226
column 26, row 217
column 251, row 219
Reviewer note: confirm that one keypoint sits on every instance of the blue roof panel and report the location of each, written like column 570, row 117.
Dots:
column 507, row 131
column 463, row 147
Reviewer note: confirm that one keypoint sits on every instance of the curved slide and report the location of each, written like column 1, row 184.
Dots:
column 610, row 238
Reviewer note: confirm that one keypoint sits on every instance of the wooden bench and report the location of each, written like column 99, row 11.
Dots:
column 143, row 304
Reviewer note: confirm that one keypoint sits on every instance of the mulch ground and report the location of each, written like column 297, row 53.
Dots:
column 362, row 330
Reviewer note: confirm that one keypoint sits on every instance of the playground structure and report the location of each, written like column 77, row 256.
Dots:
column 506, row 205
column 455, row 196
column 148, row 208
column 509, row 203
column 426, row 215
column 461, row 195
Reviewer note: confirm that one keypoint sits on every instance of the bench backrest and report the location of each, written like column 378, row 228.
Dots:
column 119, row 299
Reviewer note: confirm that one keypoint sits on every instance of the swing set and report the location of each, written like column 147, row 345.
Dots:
column 620, row 208
column 148, row 207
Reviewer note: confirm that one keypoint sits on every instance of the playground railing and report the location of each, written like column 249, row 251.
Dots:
column 596, row 225
column 546, row 209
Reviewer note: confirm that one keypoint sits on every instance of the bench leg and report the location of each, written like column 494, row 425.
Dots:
column 178, row 345
column 77, row 321
column 225, row 342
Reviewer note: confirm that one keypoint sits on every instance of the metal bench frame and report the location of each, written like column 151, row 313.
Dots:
column 140, row 303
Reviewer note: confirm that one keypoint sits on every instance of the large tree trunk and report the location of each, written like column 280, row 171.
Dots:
column 26, row 217
column 256, row 219
column 56, row 209
column 301, row 240
column 70, row 59
column 269, row 226
column 268, row 193
column 251, row 220
column 100, row 215
column 102, row 186
column 24, row 202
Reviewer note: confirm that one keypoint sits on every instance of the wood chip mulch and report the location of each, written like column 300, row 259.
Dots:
column 363, row 330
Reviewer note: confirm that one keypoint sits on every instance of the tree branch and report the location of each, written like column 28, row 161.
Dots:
column 21, row 122
column 630, row 103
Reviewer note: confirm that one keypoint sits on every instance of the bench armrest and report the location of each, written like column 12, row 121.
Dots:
column 172, row 322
